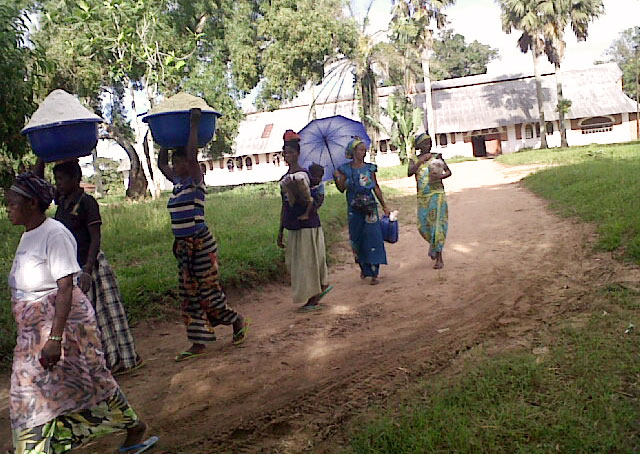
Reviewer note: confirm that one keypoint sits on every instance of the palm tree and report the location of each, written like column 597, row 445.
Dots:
column 413, row 35
column 529, row 16
column 578, row 13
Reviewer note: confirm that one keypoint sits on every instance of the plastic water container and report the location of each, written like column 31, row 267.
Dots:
column 171, row 129
column 64, row 140
column 389, row 229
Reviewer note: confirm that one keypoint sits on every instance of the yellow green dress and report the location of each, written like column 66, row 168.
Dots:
column 433, row 212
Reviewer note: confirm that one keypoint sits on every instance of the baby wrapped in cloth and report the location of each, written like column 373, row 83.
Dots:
column 436, row 169
column 296, row 187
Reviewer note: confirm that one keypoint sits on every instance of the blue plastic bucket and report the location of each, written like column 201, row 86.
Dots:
column 63, row 140
column 171, row 129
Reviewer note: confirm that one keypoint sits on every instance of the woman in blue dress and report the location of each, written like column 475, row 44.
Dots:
column 358, row 178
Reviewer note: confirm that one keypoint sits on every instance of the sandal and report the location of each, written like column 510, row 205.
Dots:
column 183, row 356
column 142, row 447
column 309, row 308
column 324, row 292
column 123, row 371
column 241, row 336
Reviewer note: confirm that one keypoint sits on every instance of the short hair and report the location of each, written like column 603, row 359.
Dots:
column 69, row 168
column 316, row 169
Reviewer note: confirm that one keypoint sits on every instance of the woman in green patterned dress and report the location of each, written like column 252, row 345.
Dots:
column 433, row 212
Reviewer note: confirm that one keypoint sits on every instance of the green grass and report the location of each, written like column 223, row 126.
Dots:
column 137, row 240
column 571, row 155
column 605, row 192
column 581, row 398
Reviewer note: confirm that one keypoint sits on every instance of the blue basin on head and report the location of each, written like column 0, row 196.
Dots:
column 63, row 140
column 171, row 129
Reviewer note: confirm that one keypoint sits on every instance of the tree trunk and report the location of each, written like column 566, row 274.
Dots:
column 137, row 181
column 428, row 104
column 97, row 175
column 563, row 128
column 538, row 77
column 370, row 109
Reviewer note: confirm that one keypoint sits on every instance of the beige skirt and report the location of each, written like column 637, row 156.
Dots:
column 307, row 264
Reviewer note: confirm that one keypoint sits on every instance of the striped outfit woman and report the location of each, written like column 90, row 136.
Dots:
column 203, row 302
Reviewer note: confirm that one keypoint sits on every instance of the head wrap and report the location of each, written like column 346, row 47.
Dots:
column 31, row 186
column 421, row 138
column 291, row 136
column 351, row 147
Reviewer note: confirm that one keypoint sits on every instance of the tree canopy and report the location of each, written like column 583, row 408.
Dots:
column 453, row 57
column 625, row 51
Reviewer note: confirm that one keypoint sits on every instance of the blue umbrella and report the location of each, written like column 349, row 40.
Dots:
column 323, row 141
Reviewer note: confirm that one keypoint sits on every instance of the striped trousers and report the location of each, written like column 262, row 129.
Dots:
column 203, row 302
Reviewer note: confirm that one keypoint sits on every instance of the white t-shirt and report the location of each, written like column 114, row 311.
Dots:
column 44, row 255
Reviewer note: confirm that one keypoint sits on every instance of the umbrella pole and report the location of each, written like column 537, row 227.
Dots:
column 326, row 144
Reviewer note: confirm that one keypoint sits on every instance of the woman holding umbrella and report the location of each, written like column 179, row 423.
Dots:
column 358, row 178
column 305, row 250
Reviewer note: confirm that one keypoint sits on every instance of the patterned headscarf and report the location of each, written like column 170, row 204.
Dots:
column 31, row 186
column 421, row 138
column 351, row 147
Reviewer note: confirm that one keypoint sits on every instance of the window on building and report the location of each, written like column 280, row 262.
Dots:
column 393, row 148
column 596, row 124
column 239, row 163
column 230, row 165
column 266, row 132
column 443, row 140
column 537, row 129
column 549, row 128
column 384, row 146
column 203, row 168
column 528, row 132
column 453, row 137
column 248, row 163
column 221, row 162
column 256, row 159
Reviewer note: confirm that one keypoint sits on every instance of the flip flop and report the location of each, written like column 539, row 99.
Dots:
column 183, row 356
column 241, row 336
column 119, row 372
column 142, row 447
column 322, row 295
column 304, row 309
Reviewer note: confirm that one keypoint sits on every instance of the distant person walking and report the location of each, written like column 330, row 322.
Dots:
column 358, row 178
column 62, row 393
column 433, row 212
column 80, row 213
column 305, row 253
column 204, row 303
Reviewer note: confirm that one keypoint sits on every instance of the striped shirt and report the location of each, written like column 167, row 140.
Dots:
column 186, row 207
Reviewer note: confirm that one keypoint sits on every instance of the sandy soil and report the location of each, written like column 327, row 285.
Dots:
column 510, row 266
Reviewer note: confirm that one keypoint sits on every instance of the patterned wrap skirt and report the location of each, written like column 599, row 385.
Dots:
column 305, row 258
column 117, row 341
column 53, row 411
column 203, row 302
column 433, row 220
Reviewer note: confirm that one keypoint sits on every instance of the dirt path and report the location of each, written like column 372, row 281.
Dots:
column 510, row 264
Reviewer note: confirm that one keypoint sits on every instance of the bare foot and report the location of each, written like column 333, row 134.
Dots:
column 374, row 281
column 439, row 264
column 196, row 349
column 135, row 435
column 362, row 276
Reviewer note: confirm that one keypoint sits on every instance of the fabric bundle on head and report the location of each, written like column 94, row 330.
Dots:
column 351, row 147
column 291, row 136
column 31, row 186
column 421, row 138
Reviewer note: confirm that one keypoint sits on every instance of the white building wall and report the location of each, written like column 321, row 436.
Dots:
column 619, row 133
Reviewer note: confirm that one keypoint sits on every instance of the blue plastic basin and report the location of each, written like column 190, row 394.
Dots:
column 63, row 140
column 171, row 129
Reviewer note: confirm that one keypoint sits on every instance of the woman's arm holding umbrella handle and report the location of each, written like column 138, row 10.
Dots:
column 341, row 180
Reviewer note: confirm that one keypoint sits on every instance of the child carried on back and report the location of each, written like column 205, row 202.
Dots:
column 304, row 188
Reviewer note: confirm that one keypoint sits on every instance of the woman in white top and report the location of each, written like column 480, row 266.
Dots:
column 62, row 394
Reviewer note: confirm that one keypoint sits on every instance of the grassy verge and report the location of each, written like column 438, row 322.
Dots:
column 137, row 240
column 581, row 397
column 571, row 155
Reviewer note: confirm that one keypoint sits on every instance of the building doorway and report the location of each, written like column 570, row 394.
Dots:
column 479, row 147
